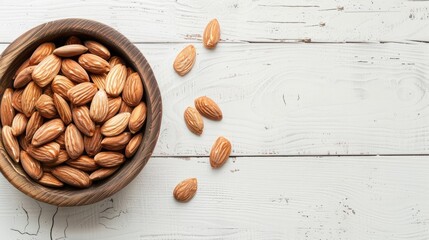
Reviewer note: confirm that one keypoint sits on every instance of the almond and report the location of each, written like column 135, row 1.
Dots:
column 185, row 190
column 82, row 93
column 83, row 163
column 10, row 143
column 16, row 100
column 93, row 63
column 102, row 173
column 133, row 145
column 70, row 50
column 211, row 35
column 133, row 90
column 125, row 108
column 83, row 121
column 23, row 142
column 185, row 60
column 61, row 85
column 73, row 71
column 46, row 153
column 208, row 108
column 99, row 80
column 114, row 105
column 62, row 158
column 41, row 53
column 33, row 124
column 46, row 107
column 116, row 143
column 29, row 97
column 73, row 40
column 72, row 176
column 115, row 60
column 23, row 66
column 19, row 124
column 23, row 77
column 194, row 121
column 73, row 141
column 45, row 71
column 50, row 181
column 99, row 106
column 93, row 144
column 115, row 125
column 115, row 80
column 61, row 140
column 137, row 118
column 63, row 109
column 48, row 132
column 97, row 49
column 220, row 152
column 7, row 112
column 31, row 166
column 109, row 159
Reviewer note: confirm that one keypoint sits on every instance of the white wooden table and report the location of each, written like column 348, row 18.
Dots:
column 325, row 102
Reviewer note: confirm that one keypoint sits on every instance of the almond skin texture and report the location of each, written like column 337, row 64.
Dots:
column 116, row 125
column 73, row 40
column 194, row 121
column 29, row 97
column 73, row 141
column 61, row 85
column 109, row 159
column 19, row 124
column 97, row 49
column 185, row 60
column 70, row 50
column 115, row 60
column 46, row 153
column 73, row 71
column 6, row 109
column 116, row 143
column 208, row 108
column 102, row 173
column 82, row 93
column 61, row 140
column 72, row 176
column 133, row 145
column 23, row 77
column 16, row 100
column 211, row 35
column 62, row 157
column 83, row 163
column 83, row 121
column 48, row 132
column 93, row 144
column 41, row 53
column 137, row 118
column 220, row 152
column 46, row 70
column 33, row 124
column 31, row 166
column 125, row 108
column 93, row 63
column 23, row 143
column 115, row 80
column 99, row 106
column 99, row 80
column 63, row 109
column 185, row 190
column 23, row 66
column 45, row 105
column 114, row 105
column 49, row 180
column 10, row 143
column 133, row 90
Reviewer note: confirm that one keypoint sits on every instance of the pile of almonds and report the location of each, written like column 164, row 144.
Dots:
column 74, row 114
column 204, row 106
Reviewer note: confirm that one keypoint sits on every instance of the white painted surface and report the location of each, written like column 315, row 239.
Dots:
column 279, row 100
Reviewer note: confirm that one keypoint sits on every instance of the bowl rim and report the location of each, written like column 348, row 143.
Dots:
column 23, row 46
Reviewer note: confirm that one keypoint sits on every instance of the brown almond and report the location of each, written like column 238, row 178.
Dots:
column 99, row 80
column 46, row 153
column 19, row 124
column 211, row 35
column 83, row 163
column 29, row 97
column 31, row 166
column 115, row 60
column 133, row 145
column 73, row 71
column 41, row 53
column 23, row 77
column 83, row 121
column 48, row 132
column 10, row 143
column 109, row 159
column 185, row 60
column 82, row 93
column 116, row 143
column 220, row 152
column 115, row 125
column 49, row 180
column 7, row 112
column 70, row 50
column 102, row 173
column 33, row 124
column 46, row 107
column 133, row 90
column 93, row 63
column 194, row 121
column 72, row 176
column 208, row 108
column 115, row 80
column 61, row 85
column 63, row 109
column 73, row 40
column 125, row 108
column 23, row 142
column 45, row 71
column 97, row 49
column 114, row 106
column 62, row 158
column 16, row 99
column 73, row 141
column 61, row 140
column 185, row 190
column 99, row 106
column 23, row 66
column 93, row 144
column 137, row 118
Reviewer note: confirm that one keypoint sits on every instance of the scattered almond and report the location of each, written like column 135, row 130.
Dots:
column 185, row 60
column 220, row 152
column 185, row 190
column 211, row 35
column 194, row 121
column 208, row 108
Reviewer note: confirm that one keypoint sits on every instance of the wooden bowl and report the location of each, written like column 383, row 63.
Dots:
column 22, row 48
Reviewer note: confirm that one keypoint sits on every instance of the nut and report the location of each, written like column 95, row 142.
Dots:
column 73, row 141
column 220, row 152
column 185, row 60
column 194, row 121
column 185, row 190
column 211, row 35
column 208, row 108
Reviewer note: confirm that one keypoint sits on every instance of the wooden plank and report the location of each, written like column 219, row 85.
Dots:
column 249, row 198
column 261, row 20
